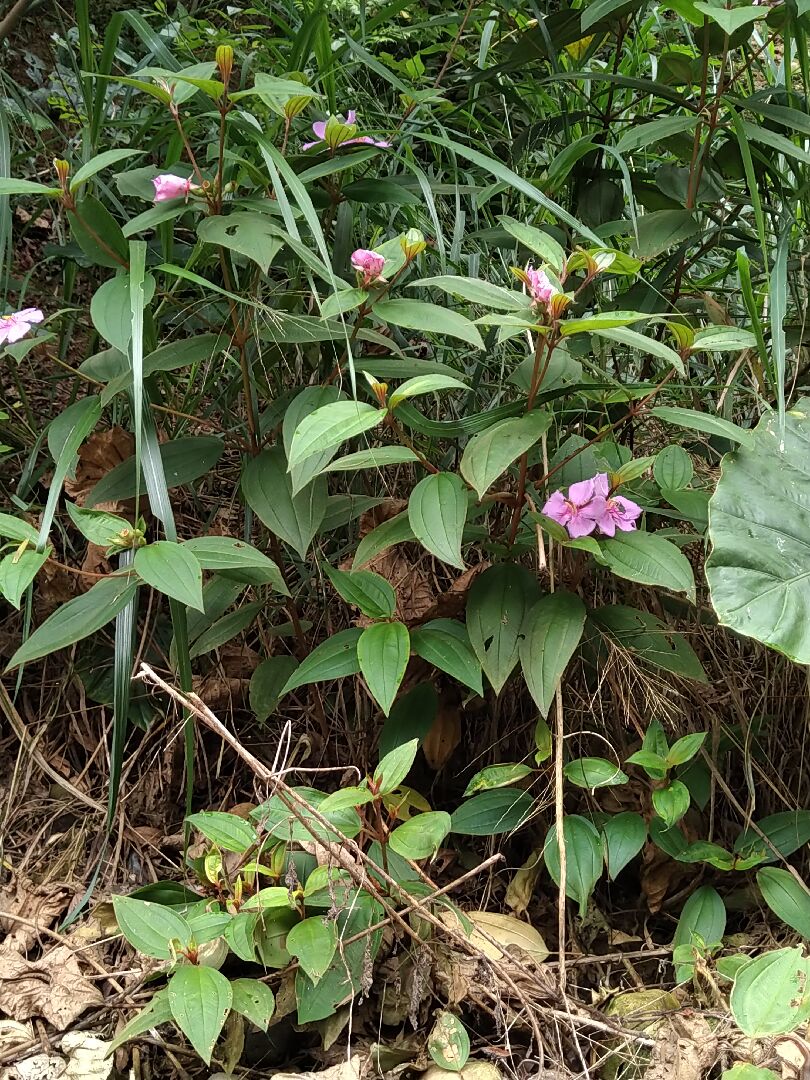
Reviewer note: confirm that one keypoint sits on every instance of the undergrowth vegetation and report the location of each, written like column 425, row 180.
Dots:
column 405, row 470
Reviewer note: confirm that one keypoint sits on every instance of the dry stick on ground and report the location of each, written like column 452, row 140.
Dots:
column 346, row 851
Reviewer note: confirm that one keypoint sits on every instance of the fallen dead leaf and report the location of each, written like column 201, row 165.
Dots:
column 344, row 1070
column 38, row 1067
column 685, row 1049
column 509, row 933
column 40, row 904
column 87, row 1058
column 52, row 987
column 101, row 453
column 520, row 889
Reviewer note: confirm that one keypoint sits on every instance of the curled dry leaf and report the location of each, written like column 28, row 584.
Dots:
column 520, row 889
column 40, row 904
column 52, row 987
column 443, row 737
column 99, row 454
column 685, row 1048
column 86, row 1054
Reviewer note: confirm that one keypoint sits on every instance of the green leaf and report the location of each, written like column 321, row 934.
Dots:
column 584, row 858
column 183, row 459
column 200, row 999
column 383, row 651
column 304, row 404
column 488, row 454
column 476, row 291
column 492, row 812
column 723, row 339
column 18, row 570
column 730, row 19
column 424, row 384
column 671, row 802
column 445, row 644
column 673, row 469
column 97, row 526
column 428, row 318
column 411, row 717
column 98, row 234
column 225, row 629
column 639, row 136
column 437, row 512
column 624, row 836
column 496, row 776
column 16, row 529
column 314, row 942
column 759, row 517
column 275, row 896
column 394, row 531
column 374, row 458
column 250, row 234
column 365, row 590
column 664, row 229
column 693, row 420
column 651, row 560
column 156, row 1013
column 787, row 831
column 267, row 488
column 684, row 749
column 338, row 303
column 702, row 922
column 650, row 639
column 150, row 928
column 267, row 684
column 237, row 559
column 420, row 837
column 395, row 766
column 334, row 658
column 743, row 1070
column 786, row 897
column 99, row 162
column 604, row 320
column 496, row 608
column 537, row 241
column 253, row 1000
column 594, row 772
column 227, row 831
column 172, row 570
column 769, row 996
column 448, row 1043
column 632, row 339
column 10, row 186
column 651, row 762
column 551, row 633
column 77, row 619
column 240, row 936
column 330, row 426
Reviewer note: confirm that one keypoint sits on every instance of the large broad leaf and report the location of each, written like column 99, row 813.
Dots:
column 476, row 291
column 649, row 559
column 693, row 420
column 267, row 683
column 77, row 619
column 382, row 652
column 313, row 941
column 227, row 831
column 364, row 589
column 437, row 511
column 445, row 644
column 428, row 318
column 488, row 454
column 237, row 559
column 333, row 659
column 18, row 570
column 496, row 607
column 787, row 898
column 759, row 526
column 702, row 923
column 624, row 836
column 200, row 999
column 253, row 999
column 551, row 632
column 331, row 425
column 492, row 812
column 153, row 929
column 303, row 405
column 420, row 836
column 770, row 995
column 184, row 460
column 251, row 234
column 267, row 487
column 786, row 831
column 172, row 570
column 583, row 857
column 649, row 638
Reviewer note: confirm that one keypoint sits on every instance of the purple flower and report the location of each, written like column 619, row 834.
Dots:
column 168, row 186
column 329, row 132
column 15, row 326
column 540, row 288
column 369, row 266
column 590, row 506
column 580, row 512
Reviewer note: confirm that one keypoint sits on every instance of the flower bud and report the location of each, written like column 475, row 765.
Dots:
column 413, row 244
column 224, row 58
column 62, row 169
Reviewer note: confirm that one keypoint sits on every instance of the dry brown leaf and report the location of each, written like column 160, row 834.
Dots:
column 101, row 453
column 383, row 511
column 520, row 889
column 344, row 1070
column 87, row 1058
column 685, row 1049
column 511, row 934
column 443, row 737
column 53, row 987
column 40, row 904
column 37, row 1067
column 451, row 603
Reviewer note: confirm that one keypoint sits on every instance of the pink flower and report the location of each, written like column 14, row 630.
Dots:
column 369, row 266
column 590, row 506
column 580, row 512
column 168, row 186
column 620, row 513
column 15, row 326
column 540, row 288
column 319, row 131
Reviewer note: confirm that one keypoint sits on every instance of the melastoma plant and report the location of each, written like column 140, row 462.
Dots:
column 247, row 255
